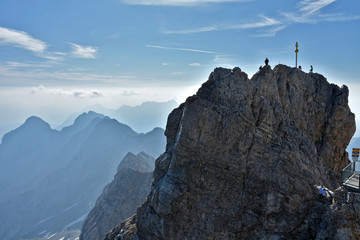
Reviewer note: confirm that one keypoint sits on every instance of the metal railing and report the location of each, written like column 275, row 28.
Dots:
column 347, row 172
column 351, row 176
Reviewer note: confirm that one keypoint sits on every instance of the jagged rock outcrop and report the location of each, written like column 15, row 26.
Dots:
column 121, row 197
column 341, row 219
column 242, row 159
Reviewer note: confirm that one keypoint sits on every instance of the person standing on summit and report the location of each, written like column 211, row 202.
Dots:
column 266, row 61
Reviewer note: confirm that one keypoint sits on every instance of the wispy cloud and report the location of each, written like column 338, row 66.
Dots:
column 129, row 93
column 224, row 60
column 87, row 94
column 308, row 11
column 181, row 49
column 12, row 75
column 194, row 30
column 83, row 51
column 195, row 65
column 271, row 32
column 177, row 73
column 27, row 65
column 338, row 17
column 178, row 2
column 261, row 22
column 20, row 39
column 309, row 7
column 61, row 92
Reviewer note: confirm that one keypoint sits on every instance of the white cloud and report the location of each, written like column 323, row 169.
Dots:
column 222, row 59
column 338, row 17
column 194, row 30
column 261, row 22
column 309, row 7
column 51, row 91
column 177, row 73
column 306, row 11
column 178, row 2
column 309, row 12
column 181, row 49
column 27, row 65
column 61, row 92
column 22, row 40
column 60, row 53
column 87, row 94
column 129, row 93
column 315, row 18
column 17, row 73
column 270, row 32
column 83, row 51
column 195, row 65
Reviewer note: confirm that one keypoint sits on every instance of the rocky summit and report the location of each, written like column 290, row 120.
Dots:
column 242, row 160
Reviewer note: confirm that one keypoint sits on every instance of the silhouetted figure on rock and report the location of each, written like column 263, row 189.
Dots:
column 266, row 62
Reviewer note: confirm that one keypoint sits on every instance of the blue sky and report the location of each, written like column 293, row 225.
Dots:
column 58, row 57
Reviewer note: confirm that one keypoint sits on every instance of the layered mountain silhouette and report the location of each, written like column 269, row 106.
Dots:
column 141, row 118
column 49, row 179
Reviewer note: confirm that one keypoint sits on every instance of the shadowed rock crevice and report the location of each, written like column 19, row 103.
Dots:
column 243, row 156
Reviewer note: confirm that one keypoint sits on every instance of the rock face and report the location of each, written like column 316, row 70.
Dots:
column 121, row 197
column 242, row 159
column 341, row 220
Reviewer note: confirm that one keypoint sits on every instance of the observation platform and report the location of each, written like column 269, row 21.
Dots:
column 351, row 176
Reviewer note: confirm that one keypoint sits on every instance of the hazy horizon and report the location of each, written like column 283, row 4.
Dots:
column 59, row 58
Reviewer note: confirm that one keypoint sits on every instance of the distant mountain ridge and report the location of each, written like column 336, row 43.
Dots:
column 141, row 118
column 145, row 116
column 50, row 179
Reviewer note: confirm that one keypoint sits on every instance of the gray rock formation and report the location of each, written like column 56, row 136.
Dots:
column 121, row 197
column 242, row 159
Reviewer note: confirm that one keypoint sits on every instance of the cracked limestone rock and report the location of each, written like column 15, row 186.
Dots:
column 243, row 156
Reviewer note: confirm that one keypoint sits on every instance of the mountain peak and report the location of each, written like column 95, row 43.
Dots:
column 141, row 162
column 32, row 131
column 34, row 121
column 85, row 118
column 243, row 156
